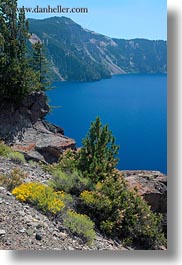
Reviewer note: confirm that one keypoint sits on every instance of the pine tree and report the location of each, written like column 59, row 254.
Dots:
column 97, row 157
column 40, row 65
column 16, row 77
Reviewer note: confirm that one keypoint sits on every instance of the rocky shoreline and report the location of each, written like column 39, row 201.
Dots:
column 21, row 225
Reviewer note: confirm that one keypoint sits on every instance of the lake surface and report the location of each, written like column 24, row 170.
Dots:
column 134, row 106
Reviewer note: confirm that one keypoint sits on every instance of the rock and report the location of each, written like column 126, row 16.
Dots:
column 152, row 186
column 13, row 118
column 38, row 237
column 39, row 226
column 8, row 242
column 33, row 173
column 70, row 248
column 23, row 127
column 63, row 235
column 52, row 127
column 22, row 213
column 162, row 248
column 2, row 232
column 23, row 230
column 35, row 106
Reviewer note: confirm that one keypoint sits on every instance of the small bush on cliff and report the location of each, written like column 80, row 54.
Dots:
column 67, row 163
column 81, row 225
column 123, row 214
column 16, row 157
column 7, row 151
column 13, row 179
column 73, row 182
column 66, row 176
column 4, row 149
column 97, row 157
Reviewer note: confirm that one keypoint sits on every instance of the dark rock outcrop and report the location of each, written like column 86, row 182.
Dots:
column 23, row 127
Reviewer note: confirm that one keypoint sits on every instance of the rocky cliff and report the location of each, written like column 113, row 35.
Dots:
column 76, row 53
column 24, row 128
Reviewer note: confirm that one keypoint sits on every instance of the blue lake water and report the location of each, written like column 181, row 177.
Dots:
column 134, row 106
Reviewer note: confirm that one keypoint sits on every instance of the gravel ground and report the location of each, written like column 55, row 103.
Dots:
column 23, row 227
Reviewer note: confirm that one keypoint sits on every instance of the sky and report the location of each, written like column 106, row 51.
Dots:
column 126, row 19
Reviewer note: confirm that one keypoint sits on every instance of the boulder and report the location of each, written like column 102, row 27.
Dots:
column 24, row 128
column 152, row 186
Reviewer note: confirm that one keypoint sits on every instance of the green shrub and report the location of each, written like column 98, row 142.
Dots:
column 4, row 150
column 13, row 179
column 7, row 151
column 68, row 161
column 41, row 196
column 97, row 157
column 123, row 214
column 16, row 157
column 80, row 225
column 35, row 164
column 73, row 183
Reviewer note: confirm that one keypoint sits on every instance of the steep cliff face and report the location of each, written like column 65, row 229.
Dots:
column 79, row 54
column 25, row 129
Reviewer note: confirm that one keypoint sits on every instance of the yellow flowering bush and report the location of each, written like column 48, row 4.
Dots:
column 96, row 199
column 66, row 198
column 88, row 197
column 42, row 196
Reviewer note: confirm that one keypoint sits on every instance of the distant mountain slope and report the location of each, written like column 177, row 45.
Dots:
column 79, row 54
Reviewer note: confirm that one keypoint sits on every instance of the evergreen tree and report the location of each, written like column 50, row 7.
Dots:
column 97, row 158
column 16, row 77
column 40, row 65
